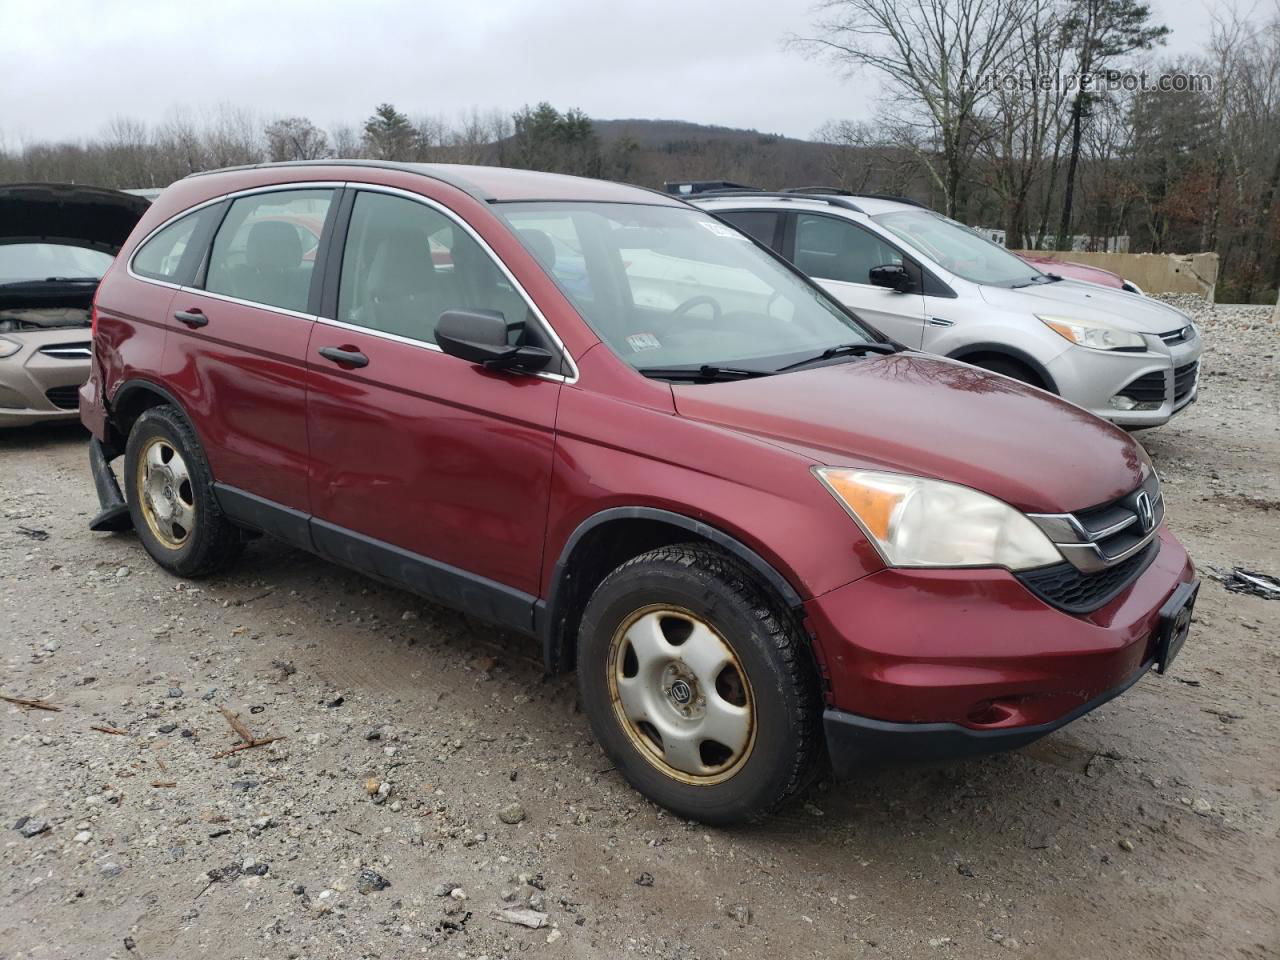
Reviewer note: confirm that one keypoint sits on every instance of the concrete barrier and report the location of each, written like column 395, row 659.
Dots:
column 1154, row 272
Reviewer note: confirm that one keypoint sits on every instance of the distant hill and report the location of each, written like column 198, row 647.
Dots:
column 679, row 150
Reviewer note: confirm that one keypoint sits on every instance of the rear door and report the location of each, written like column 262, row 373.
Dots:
column 840, row 254
column 427, row 470
column 238, row 340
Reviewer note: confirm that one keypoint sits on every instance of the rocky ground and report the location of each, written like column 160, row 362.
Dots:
column 430, row 786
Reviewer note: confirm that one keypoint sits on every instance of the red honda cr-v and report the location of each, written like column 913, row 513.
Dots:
column 591, row 413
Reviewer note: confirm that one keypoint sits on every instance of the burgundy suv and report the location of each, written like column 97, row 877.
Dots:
column 766, row 538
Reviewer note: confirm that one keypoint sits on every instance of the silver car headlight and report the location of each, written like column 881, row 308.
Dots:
column 915, row 522
column 1092, row 334
column 8, row 347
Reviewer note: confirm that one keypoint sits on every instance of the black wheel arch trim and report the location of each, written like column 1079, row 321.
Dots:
column 549, row 617
column 1013, row 353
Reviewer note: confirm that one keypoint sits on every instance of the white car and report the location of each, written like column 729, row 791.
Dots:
column 935, row 285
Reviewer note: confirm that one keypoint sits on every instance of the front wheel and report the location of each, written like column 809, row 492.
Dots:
column 698, row 685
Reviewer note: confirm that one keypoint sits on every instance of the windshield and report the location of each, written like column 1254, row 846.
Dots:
column 42, row 261
column 958, row 249
column 672, row 287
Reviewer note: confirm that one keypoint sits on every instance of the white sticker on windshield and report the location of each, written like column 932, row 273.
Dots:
column 720, row 230
column 643, row 341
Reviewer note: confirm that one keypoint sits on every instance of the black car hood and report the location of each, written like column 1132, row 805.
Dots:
column 68, row 213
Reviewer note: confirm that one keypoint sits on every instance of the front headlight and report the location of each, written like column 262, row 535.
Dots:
column 8, row 347
column 1096, row 336
column 916, row 522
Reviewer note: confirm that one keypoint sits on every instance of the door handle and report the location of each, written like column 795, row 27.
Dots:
column 346, row 356
column 192, row 318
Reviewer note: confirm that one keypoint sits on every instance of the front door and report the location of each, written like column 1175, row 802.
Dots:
column 839, row 254
column 426, row 469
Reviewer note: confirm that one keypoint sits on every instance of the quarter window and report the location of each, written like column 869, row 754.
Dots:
column 165, row 256
column 405, row 264
column 833, row 249
column 266, row 247
column 760, row 224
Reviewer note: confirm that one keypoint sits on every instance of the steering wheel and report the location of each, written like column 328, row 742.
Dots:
column 698, row 301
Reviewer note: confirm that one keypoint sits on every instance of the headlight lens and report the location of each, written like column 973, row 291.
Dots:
column 916, row 522
column 8, row 347
column 1096, row 336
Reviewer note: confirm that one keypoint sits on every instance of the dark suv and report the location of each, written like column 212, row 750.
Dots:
column 588, row 412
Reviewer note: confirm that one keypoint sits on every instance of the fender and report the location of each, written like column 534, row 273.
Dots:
column 124, row 389
column 549, row 616
column 1013, row 353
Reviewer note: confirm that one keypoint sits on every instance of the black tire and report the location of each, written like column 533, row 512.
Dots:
column 771, row 649
column 212, row 541
column 1009, row 367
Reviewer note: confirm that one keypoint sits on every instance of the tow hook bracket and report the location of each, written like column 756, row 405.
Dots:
column 114, row 515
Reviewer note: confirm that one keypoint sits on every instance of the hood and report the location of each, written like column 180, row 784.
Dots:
column 937, row 418
column 68, row 213
column 1088, row 301
column 1075, row 271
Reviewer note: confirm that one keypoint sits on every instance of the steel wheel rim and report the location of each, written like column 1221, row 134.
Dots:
column 700, row 733
column 166, row 493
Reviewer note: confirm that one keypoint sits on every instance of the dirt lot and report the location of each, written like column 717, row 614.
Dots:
column 1149, row 829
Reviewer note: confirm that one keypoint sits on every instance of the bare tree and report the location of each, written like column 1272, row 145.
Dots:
column 1100, row 32
column 295, row 138
column 940, row 57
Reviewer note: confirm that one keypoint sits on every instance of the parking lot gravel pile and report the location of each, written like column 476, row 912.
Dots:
column 426, row 791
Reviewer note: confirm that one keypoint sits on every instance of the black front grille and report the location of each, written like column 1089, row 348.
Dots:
column 1181, row 335
column 1065, row 587
column 65, row 398
column 1184, row 380
column 1148, row 388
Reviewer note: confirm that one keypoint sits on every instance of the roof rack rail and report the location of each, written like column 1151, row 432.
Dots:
column 830, row 191
column 834, row 201
column 895, row 199
column 688, row 188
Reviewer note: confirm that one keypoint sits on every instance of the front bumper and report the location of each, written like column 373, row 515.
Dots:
column 855, row 742
column 943, row 663
column 1090, row 378
column 38, row 383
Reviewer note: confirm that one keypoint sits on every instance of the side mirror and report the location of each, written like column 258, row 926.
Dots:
column 481, row 336
column 892, row 275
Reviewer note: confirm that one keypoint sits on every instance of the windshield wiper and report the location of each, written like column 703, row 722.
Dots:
column 842, row 350
column 709, row 373
column 1040, row 278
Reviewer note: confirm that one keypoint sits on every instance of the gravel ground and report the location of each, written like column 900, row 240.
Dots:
column 428, row 777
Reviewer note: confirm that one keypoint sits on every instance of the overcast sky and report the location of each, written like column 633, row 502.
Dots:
column 67, row 67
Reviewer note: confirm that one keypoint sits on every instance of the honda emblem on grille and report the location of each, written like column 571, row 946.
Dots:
column 1146, row 512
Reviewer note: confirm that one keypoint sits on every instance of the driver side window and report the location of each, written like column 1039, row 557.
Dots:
column 828, row 248
column 405, row 263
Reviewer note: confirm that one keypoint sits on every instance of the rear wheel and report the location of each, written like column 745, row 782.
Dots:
column 698, row 685
column 170, row 494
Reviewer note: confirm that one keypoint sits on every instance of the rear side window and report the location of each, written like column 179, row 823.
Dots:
column 835, row 249
column 169, row 254
column 405, row 263
column 760, row 224
column 265, row 250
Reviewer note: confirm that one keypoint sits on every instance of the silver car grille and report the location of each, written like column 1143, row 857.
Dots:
column 1181, row 335
column 68, row 351
column 1102, row 537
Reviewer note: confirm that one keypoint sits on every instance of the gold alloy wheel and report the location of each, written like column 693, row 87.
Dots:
column 165, row 493
column 681, row 694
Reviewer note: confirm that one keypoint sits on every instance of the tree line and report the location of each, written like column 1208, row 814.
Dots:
column 980, row 119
